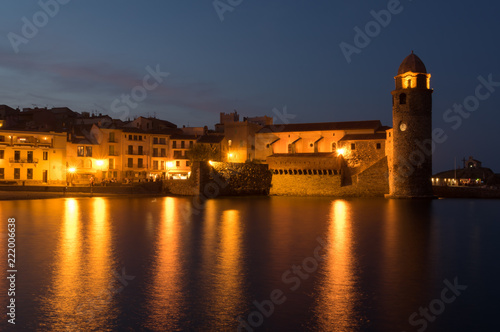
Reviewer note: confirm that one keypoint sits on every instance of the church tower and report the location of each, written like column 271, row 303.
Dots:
column 410, row 165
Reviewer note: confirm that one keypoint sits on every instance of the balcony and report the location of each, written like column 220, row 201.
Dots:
column 24, row 160
column 136, row 166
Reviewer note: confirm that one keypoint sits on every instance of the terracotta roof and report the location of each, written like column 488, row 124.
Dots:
column 181, row 136
column 363, row 137
column 412, row 63
column 322, row 126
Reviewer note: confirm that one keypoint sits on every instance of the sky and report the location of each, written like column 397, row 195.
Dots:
column 187, row 61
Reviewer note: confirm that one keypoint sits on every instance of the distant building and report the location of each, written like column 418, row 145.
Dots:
column 472, row 173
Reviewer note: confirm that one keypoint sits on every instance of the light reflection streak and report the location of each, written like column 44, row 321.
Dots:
column 166, row 298
column 338, row 293
column 66, row 287
column 227, row 293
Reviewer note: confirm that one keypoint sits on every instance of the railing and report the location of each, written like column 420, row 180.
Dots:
column 136, row 166
column 24, row 160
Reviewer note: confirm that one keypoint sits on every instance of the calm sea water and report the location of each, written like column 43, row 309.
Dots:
column 259, row 263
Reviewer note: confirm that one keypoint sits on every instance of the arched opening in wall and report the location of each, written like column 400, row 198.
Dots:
column 334, row 172
column 402, row 99
column 409, row 83
column 290, row 172
column 305, row 172
column 286, row 172
column 334, row 146
column 329, row 172
column 281, row 172
column 315, row 172
column 294, row 172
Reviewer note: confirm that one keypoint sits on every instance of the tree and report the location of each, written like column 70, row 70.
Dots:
column 204, row 152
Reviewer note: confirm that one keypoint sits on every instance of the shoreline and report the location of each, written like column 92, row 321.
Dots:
column 26, row 195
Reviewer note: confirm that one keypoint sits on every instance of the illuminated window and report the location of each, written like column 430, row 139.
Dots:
column 409, row 83
column 80, row 151
column 88, row 151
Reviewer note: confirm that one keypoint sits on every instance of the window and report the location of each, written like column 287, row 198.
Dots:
column 155, row 152
column 111, row 137
column 163, row 152
column 88, row 151
column 182, row 144
column 17, row 155
column 130, row 149
column 291, row 148
column 229, row 143
column 45, row 155
column 130, row 162
column 155, row 164
column 135, row 137
column 409, row 83
column 402, row 98
column 191, row 144
column 379, row 146
column 111, row 150
column 111, row 163
column 177, row 163
column 2, row 138
column 174, row 144
column 140, row 150
column 30, row 156
column 80, row 151
column 241, row 143
column 177, row 154
column 17, row 173
column 139, row 163
column 162, row 164
column 2, row 173
column 2, row 154
column 155, row 140
column 29, row 173
column 188, row 163
column 162, row 140
column 129, row 137
column 353, row 146
column 334, row 146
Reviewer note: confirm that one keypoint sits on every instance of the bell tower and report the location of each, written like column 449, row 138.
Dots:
column 410, row 166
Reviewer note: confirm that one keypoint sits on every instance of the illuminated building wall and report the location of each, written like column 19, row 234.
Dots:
column 32, row 157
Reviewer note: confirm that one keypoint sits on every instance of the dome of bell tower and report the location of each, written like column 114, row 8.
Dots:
column 412, row 63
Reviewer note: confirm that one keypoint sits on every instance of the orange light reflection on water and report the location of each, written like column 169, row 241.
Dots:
column 165, row 305
column 337, row 293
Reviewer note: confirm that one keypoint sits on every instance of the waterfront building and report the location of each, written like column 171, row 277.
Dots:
column 29, row 157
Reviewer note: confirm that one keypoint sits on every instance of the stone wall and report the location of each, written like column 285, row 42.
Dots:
column 189, row 187
column 371, row 182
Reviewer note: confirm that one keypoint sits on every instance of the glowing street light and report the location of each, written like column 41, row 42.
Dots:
column 99, row 162
column 72, row 170
column 341, row 151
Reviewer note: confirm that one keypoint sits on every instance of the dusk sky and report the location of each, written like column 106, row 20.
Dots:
column 256, row 56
